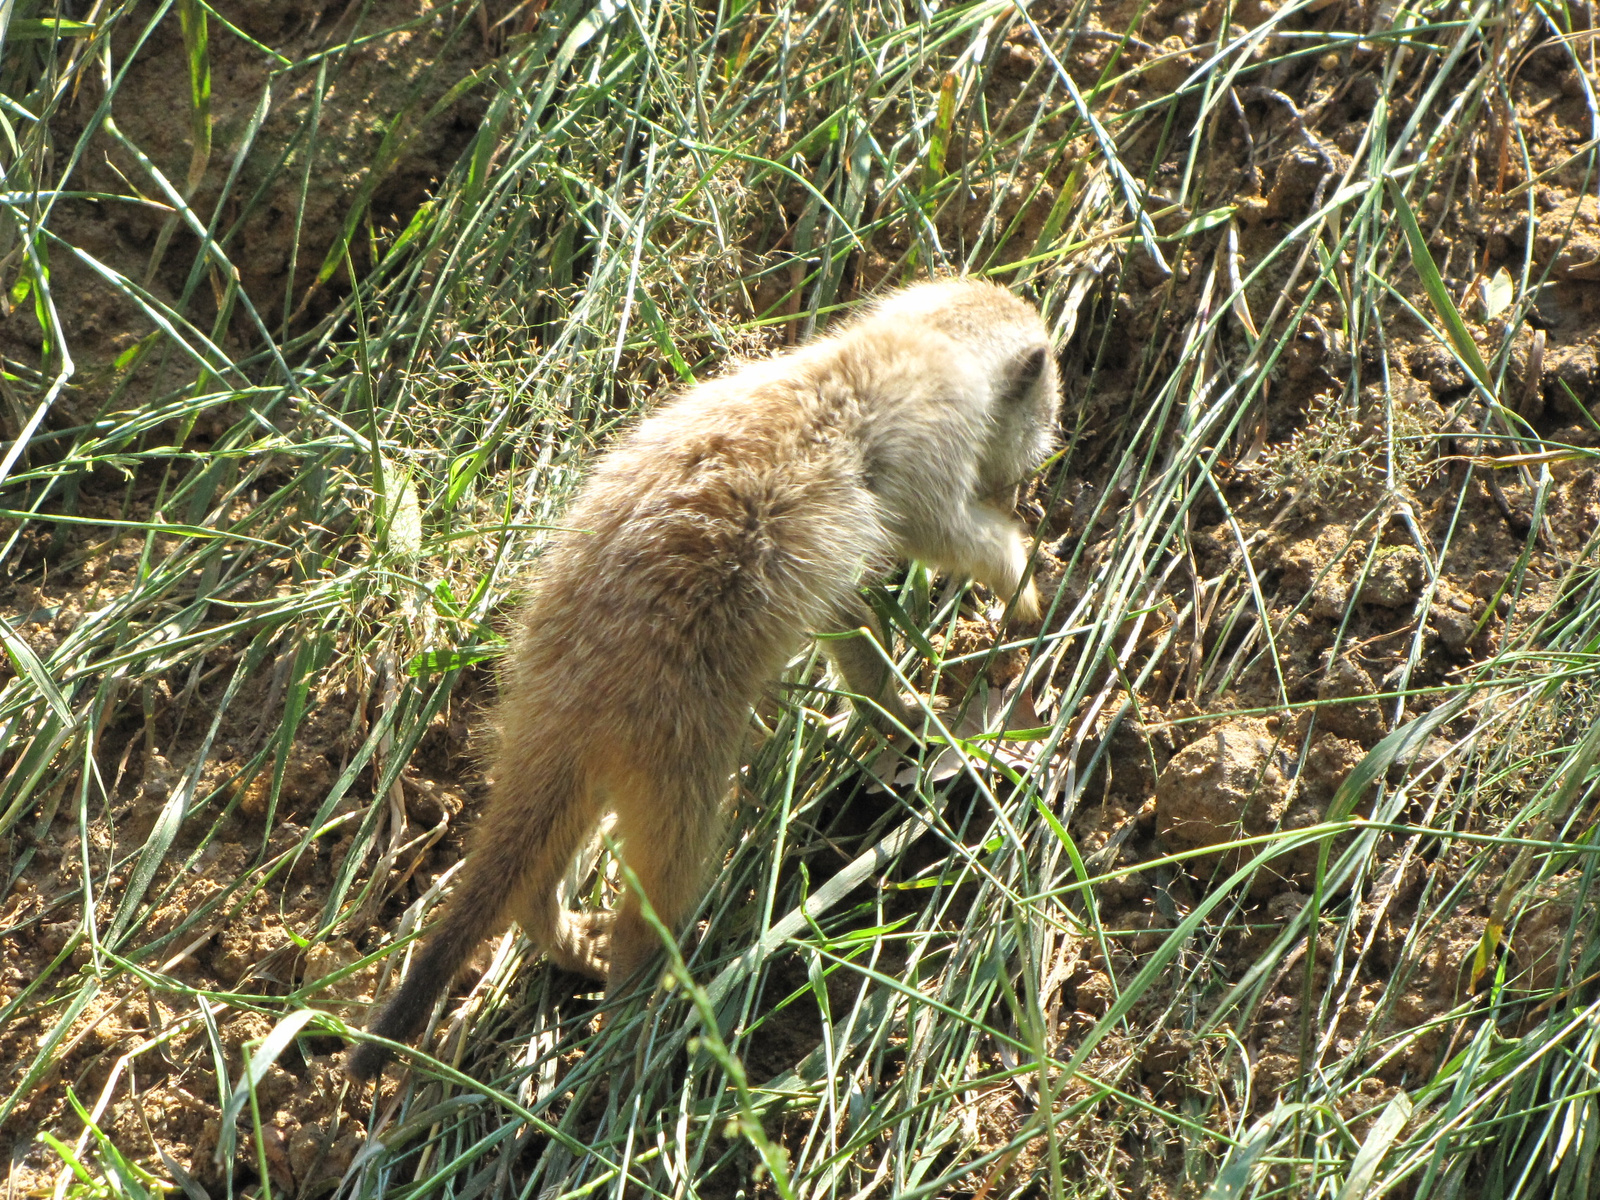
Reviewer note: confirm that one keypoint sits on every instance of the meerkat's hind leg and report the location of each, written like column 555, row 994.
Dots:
column 670, row 830
column 579, row 942
column 574, row 941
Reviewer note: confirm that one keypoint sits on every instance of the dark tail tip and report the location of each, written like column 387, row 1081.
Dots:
column 401, row 1017
column 365, row 1061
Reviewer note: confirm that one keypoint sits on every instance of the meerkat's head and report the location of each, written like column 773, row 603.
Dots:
column 1010, row 345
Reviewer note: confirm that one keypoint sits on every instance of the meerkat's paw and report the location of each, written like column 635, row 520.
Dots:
column 583, row 943
column 1027, row 608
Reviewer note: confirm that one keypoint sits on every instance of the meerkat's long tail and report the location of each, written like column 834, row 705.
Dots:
column 475, row 911
column 514, row 850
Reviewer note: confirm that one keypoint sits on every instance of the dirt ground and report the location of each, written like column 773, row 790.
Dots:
column 1351, row 611
column 377, row 142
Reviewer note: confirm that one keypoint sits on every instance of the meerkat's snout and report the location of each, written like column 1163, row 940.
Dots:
column 738, row 519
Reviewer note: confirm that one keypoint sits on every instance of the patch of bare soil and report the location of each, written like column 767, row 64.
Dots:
column 214, row 929
column 326, row 114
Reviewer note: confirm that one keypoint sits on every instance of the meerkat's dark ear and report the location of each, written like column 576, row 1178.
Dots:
column 1026, row 371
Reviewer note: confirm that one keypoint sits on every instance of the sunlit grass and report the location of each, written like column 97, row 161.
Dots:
column 320, row 501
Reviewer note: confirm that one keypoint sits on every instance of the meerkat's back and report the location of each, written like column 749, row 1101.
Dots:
column 702, row 551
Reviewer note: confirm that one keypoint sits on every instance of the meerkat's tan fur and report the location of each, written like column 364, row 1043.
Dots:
column 739, row 518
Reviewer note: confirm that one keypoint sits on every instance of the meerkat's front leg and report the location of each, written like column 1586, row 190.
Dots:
column 992, row 547
column 864, row 666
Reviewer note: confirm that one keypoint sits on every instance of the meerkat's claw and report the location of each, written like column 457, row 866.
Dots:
column 1028, row 608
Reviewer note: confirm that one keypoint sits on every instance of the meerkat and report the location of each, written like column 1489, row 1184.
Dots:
column 705, row 547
